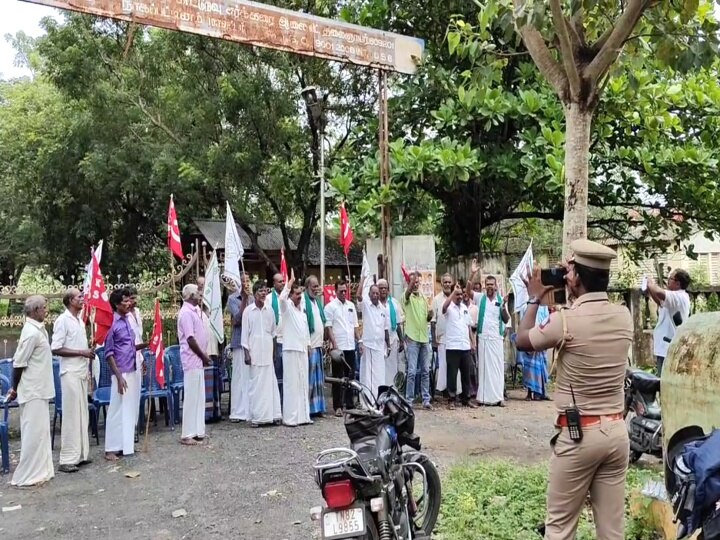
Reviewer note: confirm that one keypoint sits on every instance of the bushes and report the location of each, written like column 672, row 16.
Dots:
column 506, row 501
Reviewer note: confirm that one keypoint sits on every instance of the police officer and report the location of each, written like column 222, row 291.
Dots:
column 590, row 448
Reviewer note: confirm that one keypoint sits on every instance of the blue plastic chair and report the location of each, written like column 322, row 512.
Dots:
column 92, row 410
column 155, row 391
column 4, row 432
column 6, row 370
column 101, row 396
column 175, row 377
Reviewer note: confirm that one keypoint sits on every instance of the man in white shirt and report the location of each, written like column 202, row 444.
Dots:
column 674, row 309
column 33, row 387
column 69, row 342
column 437, row 330
column 342, row 327
column 397, row 339
column 258, row 332
column 135, row 320
column 492, row 318
column 296, row 356
column 375, row 338
column 459, row 341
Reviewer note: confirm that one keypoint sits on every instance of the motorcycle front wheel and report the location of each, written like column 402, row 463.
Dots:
column 428, row 505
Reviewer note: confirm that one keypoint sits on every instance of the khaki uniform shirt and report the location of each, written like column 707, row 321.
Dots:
column 594, row 357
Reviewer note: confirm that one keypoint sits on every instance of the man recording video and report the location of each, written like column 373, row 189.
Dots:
column 590, row 447
column 674, row 304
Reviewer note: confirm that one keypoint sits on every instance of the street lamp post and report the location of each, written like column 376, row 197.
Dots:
column 316, row 108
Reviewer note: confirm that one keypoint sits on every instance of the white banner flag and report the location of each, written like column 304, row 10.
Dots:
column 516, row 279
column 233, row 248
column 212, row 298
column 365, row 273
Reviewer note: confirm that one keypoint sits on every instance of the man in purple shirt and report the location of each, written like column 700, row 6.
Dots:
column 120, row 351
column 193, row 338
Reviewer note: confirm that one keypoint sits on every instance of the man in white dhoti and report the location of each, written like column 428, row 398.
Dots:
column 33, row 387
column 193, row 338
column 343, row 330
column 240, row 378
column 135, row 320
column 437, row 330
column 296, row 356
column 258, row 333
column 375, row 340
column 120, row 350
column 397, row 340
column 492, row 318
column 69, row 342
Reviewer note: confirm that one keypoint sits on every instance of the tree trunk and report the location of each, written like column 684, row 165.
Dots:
column 578, row 120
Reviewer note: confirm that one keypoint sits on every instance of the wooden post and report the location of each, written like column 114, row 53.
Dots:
column 384, row 166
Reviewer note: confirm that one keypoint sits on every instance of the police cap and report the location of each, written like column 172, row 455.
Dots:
column 592, row 254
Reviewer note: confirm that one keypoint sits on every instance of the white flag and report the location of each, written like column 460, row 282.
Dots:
column 212, row 298
column 233, row 248
column 516, row 280
column 365, row 273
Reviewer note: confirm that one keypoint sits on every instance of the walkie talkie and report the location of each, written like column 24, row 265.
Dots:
column 572, row 415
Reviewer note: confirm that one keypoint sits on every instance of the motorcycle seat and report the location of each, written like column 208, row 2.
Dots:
column 647, row 383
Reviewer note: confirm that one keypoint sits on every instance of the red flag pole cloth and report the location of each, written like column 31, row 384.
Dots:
column 99, row 301
column 174, row 244
column 346, row 234
column 157, row 346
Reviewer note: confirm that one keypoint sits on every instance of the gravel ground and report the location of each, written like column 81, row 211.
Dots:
column 245, row 483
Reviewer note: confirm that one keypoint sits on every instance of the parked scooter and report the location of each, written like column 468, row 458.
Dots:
column 642, row 413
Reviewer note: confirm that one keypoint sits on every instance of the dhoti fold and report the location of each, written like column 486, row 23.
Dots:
column 392, row 364
column 122, row 415
column 296, row 394
column 193, row 417
column 74, row 438
column 372, row 369
column 264, row 395
column 36, row 464
column 316, row 382
column 239, row 387
column 491, row 370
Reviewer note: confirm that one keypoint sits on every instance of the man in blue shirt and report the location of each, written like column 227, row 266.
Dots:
column 239, row 385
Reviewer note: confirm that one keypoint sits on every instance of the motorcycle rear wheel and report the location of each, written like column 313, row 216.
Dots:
column 428, row 510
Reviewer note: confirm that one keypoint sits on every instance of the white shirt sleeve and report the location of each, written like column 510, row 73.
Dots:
column 329, row 314
column 59, row 336
column 672, row 301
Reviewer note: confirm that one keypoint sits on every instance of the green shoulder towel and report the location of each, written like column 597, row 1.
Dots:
column 481, row 314
column 276, row 305
column 393, row 314
column 309, row 313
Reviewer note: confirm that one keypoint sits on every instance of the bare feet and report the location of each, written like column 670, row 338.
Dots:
column 111, row 456
column 189, row 442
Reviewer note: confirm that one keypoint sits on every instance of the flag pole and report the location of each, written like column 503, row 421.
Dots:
column 147, row 416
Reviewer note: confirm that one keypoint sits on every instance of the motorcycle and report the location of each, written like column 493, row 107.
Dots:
column 642, row 413
column 376, row 489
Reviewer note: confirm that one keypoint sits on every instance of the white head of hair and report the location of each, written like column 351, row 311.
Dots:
column 189, row 290
column 382, row 281
column 33, row 303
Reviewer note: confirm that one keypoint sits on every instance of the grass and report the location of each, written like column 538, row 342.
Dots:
column 501, row 500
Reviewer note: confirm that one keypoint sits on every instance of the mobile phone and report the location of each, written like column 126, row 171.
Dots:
column 553, row 277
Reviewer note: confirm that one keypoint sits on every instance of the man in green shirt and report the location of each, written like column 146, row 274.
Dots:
column 417, row 316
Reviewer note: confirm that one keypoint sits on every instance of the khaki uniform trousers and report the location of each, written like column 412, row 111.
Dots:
column 597, row 465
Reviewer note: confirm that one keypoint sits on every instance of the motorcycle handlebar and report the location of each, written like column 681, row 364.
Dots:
column 346, row 382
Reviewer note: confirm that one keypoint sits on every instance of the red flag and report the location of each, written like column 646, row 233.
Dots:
column 98, row 301
column 405, row 273
column 174, row 244
column 157, row 346
column 283, row 265
column 328, row 294
column 346, row 234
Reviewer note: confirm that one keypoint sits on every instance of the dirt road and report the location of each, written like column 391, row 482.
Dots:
column 246, row 483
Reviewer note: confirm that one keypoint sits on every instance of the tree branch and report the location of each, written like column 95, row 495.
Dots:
column 611, row 49
column 538, row 49
column 566, row 49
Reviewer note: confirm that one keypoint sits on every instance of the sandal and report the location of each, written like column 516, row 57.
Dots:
column 111, row 456
column 189, row 442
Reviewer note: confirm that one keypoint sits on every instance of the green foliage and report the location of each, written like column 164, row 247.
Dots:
column 713, row 302
column 699, row 276
column 506, row 501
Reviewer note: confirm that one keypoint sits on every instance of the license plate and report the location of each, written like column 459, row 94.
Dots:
column 343, row 523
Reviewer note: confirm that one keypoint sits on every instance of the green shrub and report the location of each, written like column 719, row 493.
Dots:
column 503, row 500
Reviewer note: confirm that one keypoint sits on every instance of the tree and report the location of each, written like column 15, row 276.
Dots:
column 588, row 36
column 479, row 132
column 207, row 120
